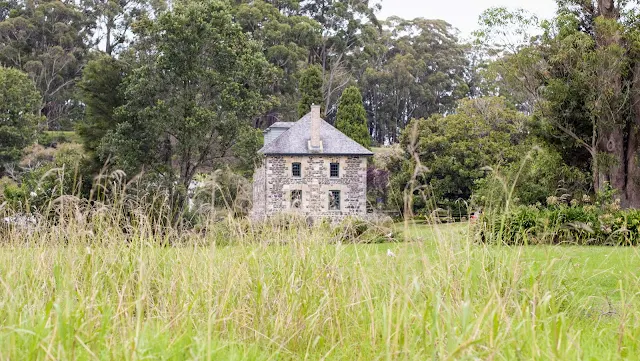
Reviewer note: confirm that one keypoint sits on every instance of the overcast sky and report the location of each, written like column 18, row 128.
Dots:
column 462, row 14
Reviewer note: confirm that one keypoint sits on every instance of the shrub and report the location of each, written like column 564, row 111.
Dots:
column 562, row 224
column 357, row 230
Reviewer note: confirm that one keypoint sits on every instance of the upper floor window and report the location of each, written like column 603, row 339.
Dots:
column 296, row 198
column 334, row 200
column 296, row 169
column 334, row 170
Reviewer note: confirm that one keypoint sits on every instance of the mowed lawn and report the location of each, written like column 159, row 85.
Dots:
column 438, row 297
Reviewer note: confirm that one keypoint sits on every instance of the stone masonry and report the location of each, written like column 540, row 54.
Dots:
column 274, row 184
column 312, row 191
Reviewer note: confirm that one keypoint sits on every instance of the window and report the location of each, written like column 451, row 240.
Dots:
column 334, row 170
column 296, row 169
column 334, row 200
column 296, row 199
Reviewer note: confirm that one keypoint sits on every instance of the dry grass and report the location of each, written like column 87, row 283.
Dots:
column 125, row 297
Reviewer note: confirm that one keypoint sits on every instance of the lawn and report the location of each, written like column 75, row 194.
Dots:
column 439, row 297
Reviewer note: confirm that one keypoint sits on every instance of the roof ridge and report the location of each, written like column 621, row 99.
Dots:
column 294, row 140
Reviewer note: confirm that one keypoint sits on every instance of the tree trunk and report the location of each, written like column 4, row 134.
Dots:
column 611, row 125
column 633, row 162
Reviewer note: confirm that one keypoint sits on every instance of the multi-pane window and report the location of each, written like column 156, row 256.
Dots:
column 334, row 170
column 334, row 200
column 296, row 198
column 296, row 169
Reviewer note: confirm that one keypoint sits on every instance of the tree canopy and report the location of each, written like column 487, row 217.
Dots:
column 351, row 118
column 19, row 105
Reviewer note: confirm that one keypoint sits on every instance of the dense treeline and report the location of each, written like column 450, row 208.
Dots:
column 171, row 90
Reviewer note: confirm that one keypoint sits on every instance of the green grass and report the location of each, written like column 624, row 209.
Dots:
column 443, row 297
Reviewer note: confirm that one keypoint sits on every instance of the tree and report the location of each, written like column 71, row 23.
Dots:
column 457, row 148
column 351, row 118
column 48, row 40
column 286, row 38
column 114, row 19
column 412, row 69
column 19, row 102
column 342, row 23
column 5, row 8
column 584, row 73
column 199, row 83
column 101, row 94
column 310, row 89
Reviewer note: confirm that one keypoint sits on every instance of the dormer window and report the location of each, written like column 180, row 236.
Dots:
column 334, row 170
column 296, row 170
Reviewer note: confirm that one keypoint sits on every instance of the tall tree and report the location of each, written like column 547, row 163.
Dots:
column 286, row 39
column 310, row 89
column 351, row 118
column 413, row 69
column 198, row 85
column 101, row 94
column 47, row 39
column 583, row 74
column 19, row 102
column 343, row 22
column 113, row 20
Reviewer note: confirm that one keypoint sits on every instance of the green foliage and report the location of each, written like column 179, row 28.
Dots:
column 409, row 69
column 351, row 118
column 563, row 223
column 49, row 41
column 457, row 149
column 187, row 104
column 310, row 89
column 58, row 173
column 286, row 38
column 580, row 79
column 531, row 179
column 100, row 92
column 19, row 113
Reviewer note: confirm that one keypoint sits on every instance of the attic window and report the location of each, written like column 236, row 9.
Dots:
column 334, row 200
column 334, row 170
column 296, row 170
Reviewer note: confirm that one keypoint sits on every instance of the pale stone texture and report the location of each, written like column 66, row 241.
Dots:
column 274, row 182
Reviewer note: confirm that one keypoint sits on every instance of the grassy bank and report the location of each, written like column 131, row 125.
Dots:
column 443, row 297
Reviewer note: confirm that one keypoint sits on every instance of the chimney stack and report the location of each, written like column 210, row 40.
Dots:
column 315, row 143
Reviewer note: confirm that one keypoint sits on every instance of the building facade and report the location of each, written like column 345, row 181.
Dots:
column 310, row 168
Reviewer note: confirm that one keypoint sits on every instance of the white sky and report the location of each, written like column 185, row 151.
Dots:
column 462, row 14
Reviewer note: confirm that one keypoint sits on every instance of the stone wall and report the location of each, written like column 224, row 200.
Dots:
column 315, row 183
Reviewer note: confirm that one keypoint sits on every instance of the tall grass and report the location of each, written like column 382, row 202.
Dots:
column 102, row 280
column 125, row 297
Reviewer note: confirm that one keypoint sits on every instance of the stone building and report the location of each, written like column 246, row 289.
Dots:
column 310, row 168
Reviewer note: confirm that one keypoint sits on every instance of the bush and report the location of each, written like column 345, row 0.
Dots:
column 357, row 230
column 562, row 224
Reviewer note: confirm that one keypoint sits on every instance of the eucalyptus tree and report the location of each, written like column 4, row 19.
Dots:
column 583, row 76
column 413, row 70
column 49, row 41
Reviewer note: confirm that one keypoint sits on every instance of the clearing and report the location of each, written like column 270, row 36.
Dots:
column 443, row 297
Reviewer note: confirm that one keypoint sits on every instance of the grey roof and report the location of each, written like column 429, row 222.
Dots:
column 295, row 140
column 282, row 125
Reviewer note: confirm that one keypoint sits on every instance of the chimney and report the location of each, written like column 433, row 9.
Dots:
column 315, row 143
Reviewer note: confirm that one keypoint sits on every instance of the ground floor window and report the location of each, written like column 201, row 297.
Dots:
column 334, row 200
column 296, row 198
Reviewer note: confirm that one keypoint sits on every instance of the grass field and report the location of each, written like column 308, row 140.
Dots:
column 442, row 297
